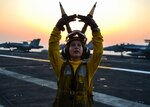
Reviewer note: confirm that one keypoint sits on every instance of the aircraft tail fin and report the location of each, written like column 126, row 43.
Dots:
column 35, row 43
column 148, row 46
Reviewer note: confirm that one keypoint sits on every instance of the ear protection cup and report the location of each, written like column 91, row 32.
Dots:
column 65, row 53
column 85, row 55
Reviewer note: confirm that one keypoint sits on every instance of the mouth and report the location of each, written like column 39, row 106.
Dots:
column 76, row 51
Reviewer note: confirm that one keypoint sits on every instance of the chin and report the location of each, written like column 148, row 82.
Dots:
column 77, row 57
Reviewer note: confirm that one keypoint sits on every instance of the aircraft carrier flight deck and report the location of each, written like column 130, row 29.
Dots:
column 28, row 80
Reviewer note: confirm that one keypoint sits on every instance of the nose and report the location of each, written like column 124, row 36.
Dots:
column 76, row 46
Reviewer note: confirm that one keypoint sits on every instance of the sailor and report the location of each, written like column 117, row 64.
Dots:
column 74, row 73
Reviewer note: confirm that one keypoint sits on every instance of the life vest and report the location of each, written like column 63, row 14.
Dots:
column 73, row 89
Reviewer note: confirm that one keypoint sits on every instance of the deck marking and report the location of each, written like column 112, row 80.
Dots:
column 27, row 58
column 103, row 67
column 98, row 97
column 124, row 69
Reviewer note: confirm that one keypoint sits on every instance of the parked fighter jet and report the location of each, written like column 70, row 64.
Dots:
column 118, row 48
column 25, row 46
column 136, row 50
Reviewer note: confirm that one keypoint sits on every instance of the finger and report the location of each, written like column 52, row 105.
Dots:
column 80, row 16
column 62, row 29
column 80, row 20
column 72, row 17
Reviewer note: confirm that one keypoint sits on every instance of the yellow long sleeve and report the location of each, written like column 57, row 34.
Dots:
column 95, row 59
column 53, row 51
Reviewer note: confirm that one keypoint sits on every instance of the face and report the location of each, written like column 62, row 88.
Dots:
column 75, row 50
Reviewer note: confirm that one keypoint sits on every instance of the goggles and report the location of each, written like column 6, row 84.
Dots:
column 76, row 35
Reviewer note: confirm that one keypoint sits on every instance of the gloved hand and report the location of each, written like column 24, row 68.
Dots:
column 65, row 20
column 89, row 21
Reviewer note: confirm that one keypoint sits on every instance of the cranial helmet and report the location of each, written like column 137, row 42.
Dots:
column 76, row 35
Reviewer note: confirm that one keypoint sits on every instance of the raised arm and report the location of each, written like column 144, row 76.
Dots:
column 97, row 40
column 95, row 59
column 53, row 51
column 54, row 54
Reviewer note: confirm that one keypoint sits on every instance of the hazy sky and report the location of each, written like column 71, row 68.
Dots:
column 120, row 21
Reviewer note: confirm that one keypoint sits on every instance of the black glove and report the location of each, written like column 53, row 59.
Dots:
column 89, row 21
column 65, row 20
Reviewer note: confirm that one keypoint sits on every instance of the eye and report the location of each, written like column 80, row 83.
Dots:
column 79, row 45
column 72, row 44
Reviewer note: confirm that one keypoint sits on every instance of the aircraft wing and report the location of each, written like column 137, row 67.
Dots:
column 125, row 47
column 134, row 48
column 115, row 48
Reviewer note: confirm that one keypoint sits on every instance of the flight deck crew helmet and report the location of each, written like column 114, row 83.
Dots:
column 76, row 35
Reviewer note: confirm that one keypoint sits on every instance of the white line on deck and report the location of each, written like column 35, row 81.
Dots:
column 27, row 58
column 123, row 69
column 98, row 97
column 103, row 67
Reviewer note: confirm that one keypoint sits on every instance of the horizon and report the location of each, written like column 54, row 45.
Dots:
column 122, row 21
